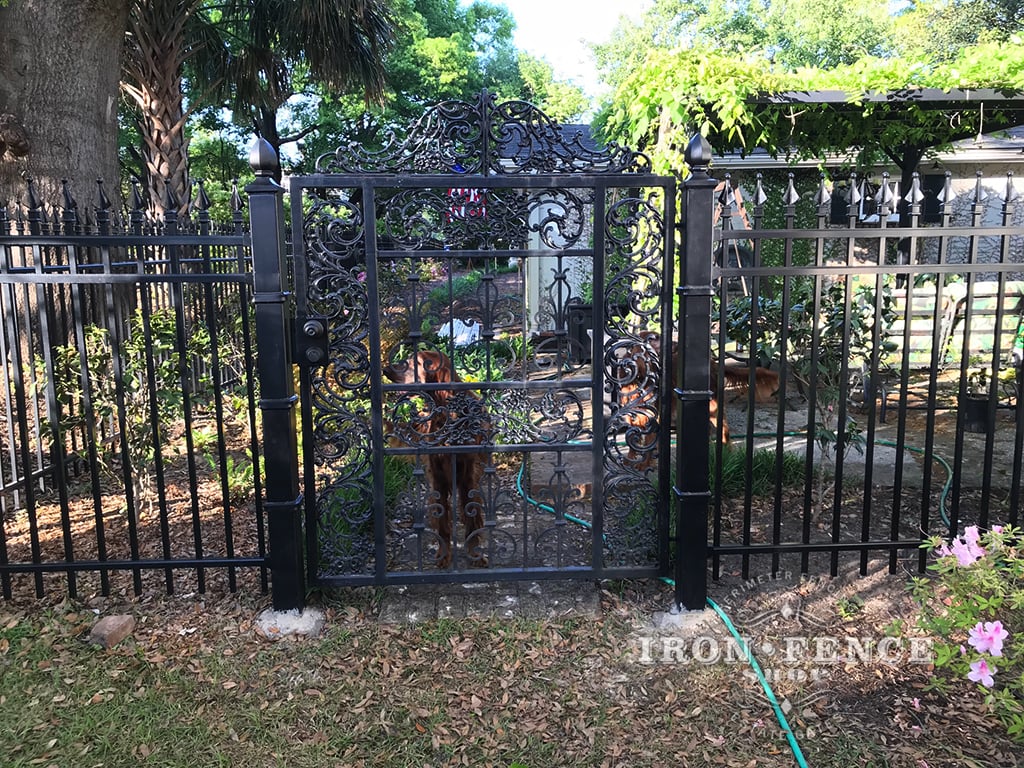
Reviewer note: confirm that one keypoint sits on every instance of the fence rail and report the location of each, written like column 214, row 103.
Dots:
column 129, row 446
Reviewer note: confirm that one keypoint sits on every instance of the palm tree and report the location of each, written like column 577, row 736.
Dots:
column 339, row 44
column 243, row 53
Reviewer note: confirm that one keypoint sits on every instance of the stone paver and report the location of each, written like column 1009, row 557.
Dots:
column 409, row 604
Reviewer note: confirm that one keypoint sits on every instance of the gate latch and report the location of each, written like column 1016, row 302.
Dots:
column 311, row 341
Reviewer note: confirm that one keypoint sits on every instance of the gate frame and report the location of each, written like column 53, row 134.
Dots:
column 284, row 500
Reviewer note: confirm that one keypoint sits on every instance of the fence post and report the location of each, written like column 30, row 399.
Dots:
column 692, row 490
column 282, row 499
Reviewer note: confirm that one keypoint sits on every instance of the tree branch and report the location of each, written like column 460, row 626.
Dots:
column 300, row 135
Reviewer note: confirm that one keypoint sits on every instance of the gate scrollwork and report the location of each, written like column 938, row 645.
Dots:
column 474, row 238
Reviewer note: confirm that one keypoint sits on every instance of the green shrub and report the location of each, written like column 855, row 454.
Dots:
column 140, row 390
column 762, row 472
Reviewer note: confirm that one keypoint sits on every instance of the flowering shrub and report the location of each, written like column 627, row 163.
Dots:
column 975, row 608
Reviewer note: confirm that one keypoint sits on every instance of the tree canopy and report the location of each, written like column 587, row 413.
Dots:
column 725, row 97
column 788, row 33
column 936, row 30
column 444, row 50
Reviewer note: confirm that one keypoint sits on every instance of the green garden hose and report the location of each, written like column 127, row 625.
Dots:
column 779, row 714
column 540, row 505
column 798, row 754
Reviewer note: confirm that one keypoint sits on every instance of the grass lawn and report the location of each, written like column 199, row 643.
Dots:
column 196, row 686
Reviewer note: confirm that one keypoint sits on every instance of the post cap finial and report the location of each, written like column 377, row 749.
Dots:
column 698, row 152
column 262, row 158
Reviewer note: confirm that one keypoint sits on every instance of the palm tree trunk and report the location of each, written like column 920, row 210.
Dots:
column 154, row 61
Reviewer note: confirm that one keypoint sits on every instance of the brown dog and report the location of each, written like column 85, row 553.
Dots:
column 737, row 381
column 642, row 402
column 452, row 418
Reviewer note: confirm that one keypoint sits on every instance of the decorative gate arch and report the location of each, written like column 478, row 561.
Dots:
column 478, row 307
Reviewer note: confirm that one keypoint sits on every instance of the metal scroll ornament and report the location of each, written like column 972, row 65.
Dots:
column 484, row 138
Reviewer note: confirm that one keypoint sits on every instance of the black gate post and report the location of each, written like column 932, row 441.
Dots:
column 282, row 498
column 692, row 490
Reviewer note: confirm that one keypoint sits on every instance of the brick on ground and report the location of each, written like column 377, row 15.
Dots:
column 111, row 630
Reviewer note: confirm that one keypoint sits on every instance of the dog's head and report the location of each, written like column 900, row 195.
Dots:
column 425, row 367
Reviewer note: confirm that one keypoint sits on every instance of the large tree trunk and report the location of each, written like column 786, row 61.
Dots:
column 60, row 66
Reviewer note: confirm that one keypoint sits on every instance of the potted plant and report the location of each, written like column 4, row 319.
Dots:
column 975, row 404
column 580, row 318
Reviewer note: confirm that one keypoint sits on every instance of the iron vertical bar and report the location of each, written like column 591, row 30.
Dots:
column 485, row 133
column 1017, row 360
column 115, row 325
column 939, row 340
column 283, row 501
column 887, row 206
column 35, row 227
column 300, row 283
column 8, row 346
column 823, row 200
column 724, row 216
column 9, row 436
column 91, row 435
column 178, row 298
column 372, row 284
column 913, row 202
column 995, row 362
column 598, row 425
column 209, row 310
column 665, row 393
column 883, row 198
column 51, row 319
column 977, row 211
column 18, row 329
column 692, row 490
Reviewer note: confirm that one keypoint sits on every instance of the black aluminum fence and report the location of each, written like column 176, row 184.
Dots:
column 868, row 369
column 128, row 429
column 886, row 407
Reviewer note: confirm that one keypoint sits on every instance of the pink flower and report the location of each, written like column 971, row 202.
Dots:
column 916, row 704
column 982, row 673
column 965, row 548
column 988, row 638
column 966, row 552
column 997, row 529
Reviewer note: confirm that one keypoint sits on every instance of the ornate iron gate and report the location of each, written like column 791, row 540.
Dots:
column 478, row 307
